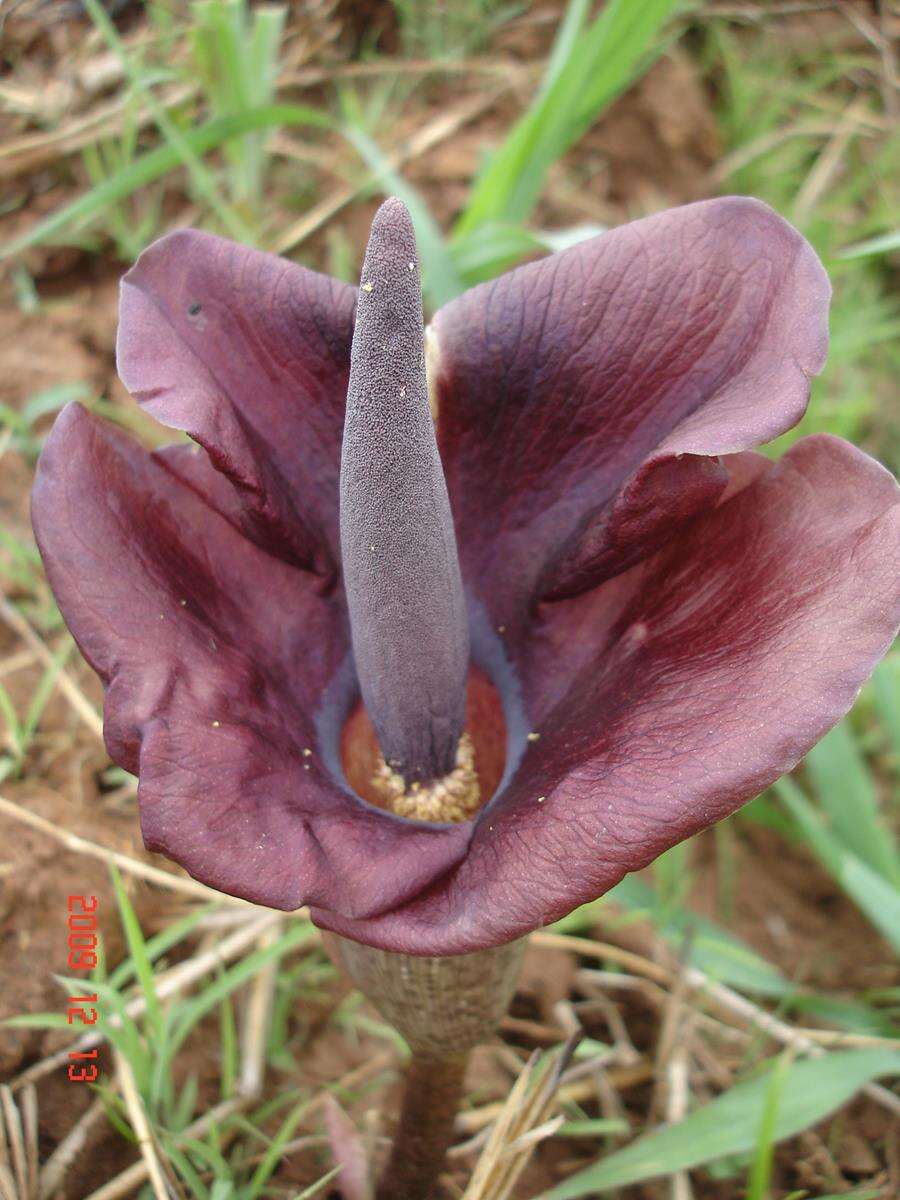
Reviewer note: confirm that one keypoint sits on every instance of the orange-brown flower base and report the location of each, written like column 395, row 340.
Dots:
column 456, row 797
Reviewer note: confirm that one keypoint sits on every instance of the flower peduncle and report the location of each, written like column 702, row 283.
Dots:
column 401, row 570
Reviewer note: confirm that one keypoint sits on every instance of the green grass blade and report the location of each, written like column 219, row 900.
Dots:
column 185, row 1104
column 594, row 1127
column 265, row 44
column 208, row 1152
column 124, row 1035
column 865, row 1194
column 203, row 42
column 46, row 1020
column 43, row 692
column 14, row 420
column 115, row 1111
column 186, row 1170
column 565, row 44
column 870, row 891
column 237, row 59
column 856, row 1016
column 587, row 69
column 731, row 1123
column 139, row 956
column 193, row 1010
column 887, row 243
column 16, row 733
column 156, row 163
column 315, row 1189
column 441, row 281
column 161, row 942
column 52, row 399
column 761, row 1171
column 847, row 794
column 228, row 1072
column 713, row 949
column 886, row 692
column 273, row 1154
column 203, row 180
column 492, row 248
column 724, row 957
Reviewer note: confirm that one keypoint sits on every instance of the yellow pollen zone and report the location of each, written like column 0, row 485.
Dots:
column 453, row 798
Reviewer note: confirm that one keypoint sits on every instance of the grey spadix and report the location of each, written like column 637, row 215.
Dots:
column 400, row 563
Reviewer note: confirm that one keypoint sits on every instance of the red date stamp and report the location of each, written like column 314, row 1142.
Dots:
column 82, row 956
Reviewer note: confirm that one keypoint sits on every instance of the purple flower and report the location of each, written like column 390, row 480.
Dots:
column 660, row 621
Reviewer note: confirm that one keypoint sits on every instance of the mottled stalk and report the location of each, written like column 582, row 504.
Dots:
column 401, row 570
column 443, row 1007
column 432, row 1088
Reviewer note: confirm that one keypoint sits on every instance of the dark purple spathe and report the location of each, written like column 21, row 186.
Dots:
column 708, row 670
column 682, row 618
column 401, row 570
column 216, row 658
column 250, row 355
column 585, row 398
